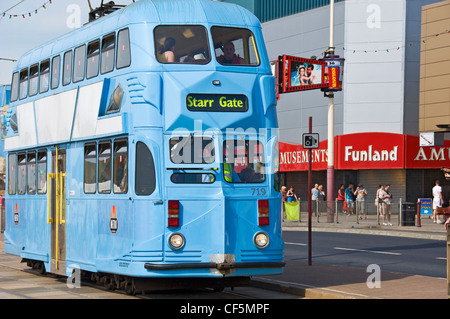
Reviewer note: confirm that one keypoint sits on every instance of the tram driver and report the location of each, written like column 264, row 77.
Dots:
column 229, row 56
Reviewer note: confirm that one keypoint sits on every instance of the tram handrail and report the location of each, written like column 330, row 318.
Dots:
column 50, row 176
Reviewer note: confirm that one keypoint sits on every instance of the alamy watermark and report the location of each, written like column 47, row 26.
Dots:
column 374, row 279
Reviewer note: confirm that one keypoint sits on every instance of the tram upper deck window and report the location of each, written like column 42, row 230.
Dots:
column 182, row 44
column 23, row 84
column 67, row 70
column 243, row 161
column 235, row 46
column 34, row 78
column 107, row 63
column 192, row 150
column 93, row 57
column 79, row 61
column 15, row 86
column 56, row 61
column 44, row 74
column 123, row 49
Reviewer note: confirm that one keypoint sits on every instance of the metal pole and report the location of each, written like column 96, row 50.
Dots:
column 310, row 200
column 330, row 167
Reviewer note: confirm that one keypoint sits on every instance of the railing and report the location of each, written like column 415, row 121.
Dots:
column 333, row 211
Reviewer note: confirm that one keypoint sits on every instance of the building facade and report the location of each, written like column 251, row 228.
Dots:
column 376, row 117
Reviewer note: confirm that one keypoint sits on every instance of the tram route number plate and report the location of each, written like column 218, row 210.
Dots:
column 217, row 102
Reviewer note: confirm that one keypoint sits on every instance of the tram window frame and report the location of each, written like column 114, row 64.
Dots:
column 41, row 171
column 79, row 69
column 67, row 68
column 23, row 78
column 108, row 48
column 145, row 176
column 236, row 176
column 56, row 71
column 120, row 163
column 90, row 173
column 33, row 83
column 243, row 40
column 102, row 174
column 191, row 146
column 193, row 178
column 93, row 59
column 21, row 178
column 123, row 56
column 14, row 87
column 31, row 172
column 194, row 39
column 12, row 173
column 44, row 76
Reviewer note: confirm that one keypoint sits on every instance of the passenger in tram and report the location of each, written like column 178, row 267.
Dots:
column 229, row 56
column 168, row 50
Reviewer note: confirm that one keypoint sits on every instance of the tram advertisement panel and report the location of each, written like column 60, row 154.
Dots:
column 299, row 74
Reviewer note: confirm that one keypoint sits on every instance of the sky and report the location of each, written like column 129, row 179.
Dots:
column 36, row 25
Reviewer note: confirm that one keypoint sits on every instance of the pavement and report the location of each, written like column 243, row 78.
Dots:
column 322, row 281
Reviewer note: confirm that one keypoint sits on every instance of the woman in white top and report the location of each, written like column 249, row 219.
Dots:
column 437, row 201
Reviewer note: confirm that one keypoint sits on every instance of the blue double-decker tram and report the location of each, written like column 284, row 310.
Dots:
column 142, row 149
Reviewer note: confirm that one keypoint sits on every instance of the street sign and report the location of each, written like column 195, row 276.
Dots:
column 310, row 140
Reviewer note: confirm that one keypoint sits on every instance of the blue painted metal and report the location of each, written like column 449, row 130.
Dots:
column 216, row 219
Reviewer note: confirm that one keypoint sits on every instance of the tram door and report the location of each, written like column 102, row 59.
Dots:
column 57, row 206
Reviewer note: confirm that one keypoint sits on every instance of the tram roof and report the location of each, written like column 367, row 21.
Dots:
column 147, row 11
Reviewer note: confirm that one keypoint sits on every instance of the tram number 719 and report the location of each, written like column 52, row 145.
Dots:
column 258, row 191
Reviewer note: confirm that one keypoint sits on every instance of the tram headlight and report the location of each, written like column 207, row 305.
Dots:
column 176, row 241
column 261, row 240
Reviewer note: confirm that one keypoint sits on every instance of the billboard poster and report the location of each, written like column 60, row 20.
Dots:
column 299, row 74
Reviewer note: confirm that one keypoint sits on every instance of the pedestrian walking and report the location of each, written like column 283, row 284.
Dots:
column 437, row 201
column 314, row 197
column 378, row 200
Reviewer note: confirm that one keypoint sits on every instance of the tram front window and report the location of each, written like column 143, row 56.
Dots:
column 243, row 161
column 234, row 46
column 182, row 44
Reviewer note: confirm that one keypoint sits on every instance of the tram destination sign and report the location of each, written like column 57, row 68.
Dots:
column 217, row 103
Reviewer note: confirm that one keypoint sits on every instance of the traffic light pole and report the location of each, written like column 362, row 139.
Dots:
column 310, row 200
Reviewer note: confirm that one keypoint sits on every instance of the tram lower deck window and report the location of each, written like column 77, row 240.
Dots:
column 12, row 173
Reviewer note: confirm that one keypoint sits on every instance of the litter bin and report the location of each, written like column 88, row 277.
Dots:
column 409, row 211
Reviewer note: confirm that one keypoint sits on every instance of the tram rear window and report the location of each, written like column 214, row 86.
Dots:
column 192, row 150
column 243, row 161
column 235, row 46
column 182, row 44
